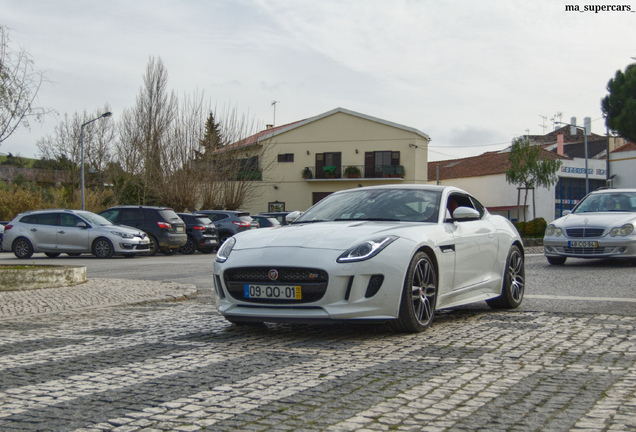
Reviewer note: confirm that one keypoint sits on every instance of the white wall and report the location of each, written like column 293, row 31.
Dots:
column 623, row 165
column 495, row 191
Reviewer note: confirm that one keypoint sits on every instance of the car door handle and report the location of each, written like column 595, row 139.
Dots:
column 61, row 232
column 34, row 229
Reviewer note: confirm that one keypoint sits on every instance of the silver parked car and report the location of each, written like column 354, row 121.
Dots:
column 73, row 232
column 600, row 226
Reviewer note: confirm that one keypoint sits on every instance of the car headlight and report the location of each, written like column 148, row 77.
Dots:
column 553, row 230
column 224, row 251
column 366, row 249
column 623, row 231
column 123, row 234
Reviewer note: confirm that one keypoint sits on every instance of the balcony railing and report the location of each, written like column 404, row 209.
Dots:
column 353, row 171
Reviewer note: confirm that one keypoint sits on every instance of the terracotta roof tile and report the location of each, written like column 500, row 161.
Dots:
column 490, row 163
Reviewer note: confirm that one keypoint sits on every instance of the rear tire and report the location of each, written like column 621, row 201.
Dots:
column 556, row 260
column 514, row 282
column 103, row 248
column 22, row 248
column 419, row 295
column 189, row 248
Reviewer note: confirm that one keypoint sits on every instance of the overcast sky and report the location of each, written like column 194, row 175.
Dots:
column 470, row 74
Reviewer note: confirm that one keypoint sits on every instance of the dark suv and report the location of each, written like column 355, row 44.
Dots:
column 165, row 229
column 229, row 222
column 202, row 234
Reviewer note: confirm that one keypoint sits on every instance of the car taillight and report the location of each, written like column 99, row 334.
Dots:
column 199, row 227
column 164, row 225
column 242, row 224
column 8, row 227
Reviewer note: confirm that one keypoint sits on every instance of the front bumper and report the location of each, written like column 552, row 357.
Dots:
column 604, row 247
column 347, row 295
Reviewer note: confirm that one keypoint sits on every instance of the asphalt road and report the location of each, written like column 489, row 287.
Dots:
column 584, row 286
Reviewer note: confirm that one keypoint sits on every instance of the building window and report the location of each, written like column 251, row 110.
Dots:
column 569, row 191
column 286, row 157
column 382, row 164
column 328, row 165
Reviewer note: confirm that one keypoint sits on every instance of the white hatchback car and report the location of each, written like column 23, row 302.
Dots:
column 73, row 232
column 600, row 226
column 382, row 254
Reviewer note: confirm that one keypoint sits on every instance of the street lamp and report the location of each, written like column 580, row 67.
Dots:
column 106, row 114
column 586, row 131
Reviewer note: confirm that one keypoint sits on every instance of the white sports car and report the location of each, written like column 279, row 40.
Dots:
column 382, row 253
column 600, row 226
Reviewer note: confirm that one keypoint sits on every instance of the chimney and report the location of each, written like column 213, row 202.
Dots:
column 560, row 144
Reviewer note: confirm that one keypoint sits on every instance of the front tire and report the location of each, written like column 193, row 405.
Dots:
column 514, row 282
column 103, row 248
column 419, row 295
column 22, row 248
column 153, row 246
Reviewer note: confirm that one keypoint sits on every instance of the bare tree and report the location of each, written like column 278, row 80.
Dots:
column 64, row 145
column 19, row 87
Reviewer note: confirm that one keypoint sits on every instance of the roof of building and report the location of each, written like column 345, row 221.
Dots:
column 551, row 137
column 271, row 132
column 490, row 163
column 625, row 147
column 596, row 148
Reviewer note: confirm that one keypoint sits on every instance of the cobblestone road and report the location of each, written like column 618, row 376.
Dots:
column 180, row 366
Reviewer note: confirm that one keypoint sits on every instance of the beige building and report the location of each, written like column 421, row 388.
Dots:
column 304, row 161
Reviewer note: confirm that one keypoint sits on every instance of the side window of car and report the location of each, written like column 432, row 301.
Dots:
column 46, row 219
column 111, row 215
column 218, row 217
column 128, row 215
column 69, row 220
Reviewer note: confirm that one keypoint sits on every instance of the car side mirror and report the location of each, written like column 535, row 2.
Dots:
column 291, row 217
column 81, row 225
column 465, row 214
column 566, row 212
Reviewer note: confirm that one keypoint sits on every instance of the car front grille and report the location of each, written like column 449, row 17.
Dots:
column 313, row 282
column 587, row 251
column 584, row 232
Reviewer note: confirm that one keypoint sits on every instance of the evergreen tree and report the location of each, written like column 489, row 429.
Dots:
column 212, row 139
column 619, row 106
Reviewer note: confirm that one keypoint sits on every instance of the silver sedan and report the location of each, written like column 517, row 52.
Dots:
column 600, row 226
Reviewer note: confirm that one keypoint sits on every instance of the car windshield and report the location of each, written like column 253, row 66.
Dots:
column 95, row 219
column 408, row 205
column 607, row 202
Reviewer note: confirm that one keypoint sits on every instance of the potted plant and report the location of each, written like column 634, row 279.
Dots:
column 352, row 171
column 306, row 173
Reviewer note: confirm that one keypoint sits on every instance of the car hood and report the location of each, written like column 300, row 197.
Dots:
column 603, row 219
column 126, row 229
column 323, row 235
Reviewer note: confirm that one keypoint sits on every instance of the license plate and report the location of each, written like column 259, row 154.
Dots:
column 583, row 244
column 179, row 229
column 277, row 292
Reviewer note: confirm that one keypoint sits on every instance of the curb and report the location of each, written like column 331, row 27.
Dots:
column 94, row 293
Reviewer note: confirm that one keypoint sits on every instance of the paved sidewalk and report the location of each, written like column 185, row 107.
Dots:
column 90, row 294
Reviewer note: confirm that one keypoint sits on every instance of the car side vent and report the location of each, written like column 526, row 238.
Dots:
column 218, row 287
column 375, row 282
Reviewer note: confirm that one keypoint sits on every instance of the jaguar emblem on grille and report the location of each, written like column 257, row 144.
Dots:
column 273, row 274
